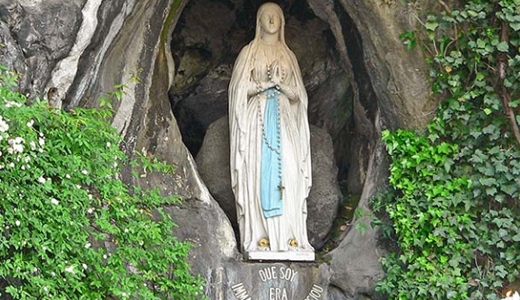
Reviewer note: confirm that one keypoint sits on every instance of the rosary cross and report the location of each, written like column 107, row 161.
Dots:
column 281, row 188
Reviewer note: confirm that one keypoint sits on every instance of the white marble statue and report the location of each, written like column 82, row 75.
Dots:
column 270, row 150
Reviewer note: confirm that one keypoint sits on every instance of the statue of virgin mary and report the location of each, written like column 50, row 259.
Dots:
column 270, row 148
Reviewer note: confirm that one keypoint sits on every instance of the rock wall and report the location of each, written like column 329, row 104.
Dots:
column 108, row 43
column 75, row 51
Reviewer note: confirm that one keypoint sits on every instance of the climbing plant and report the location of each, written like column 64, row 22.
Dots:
column 456, row 215
column 69, row 227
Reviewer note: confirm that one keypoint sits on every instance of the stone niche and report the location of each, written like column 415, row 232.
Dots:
column 205, row 44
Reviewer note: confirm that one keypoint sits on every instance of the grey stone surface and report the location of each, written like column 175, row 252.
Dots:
column 324, row 198
column 130, row 35
column 213, row 166
column 335, row 293
column 325, row 195
column 355, row 262
column 45, row 32
column 398, row 76
column 11, row 56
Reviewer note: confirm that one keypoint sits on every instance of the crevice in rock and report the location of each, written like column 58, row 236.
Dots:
column 363, row 131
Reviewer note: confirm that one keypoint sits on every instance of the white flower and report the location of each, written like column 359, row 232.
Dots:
column 123, row 294
column 46, row 289
column 17, row 223
column 33, row 145
column 87, row 245
column 108, row 144
column 18, row 148
column 41, row 134
column 27, row 159
column 90, row 210
column 84, row 172
column 104, row 256
column 41, row 179
column 84, row 266
column 54, row 201
column 41, row 142
column 70, row 269
column 44, row 248
column 40, row 150
column 22, row 167
column 3, row 125
column 30, row 123
column 90, row 196
column 67, row 176
column 9, row 104
column 126, row 230
column 11, row 165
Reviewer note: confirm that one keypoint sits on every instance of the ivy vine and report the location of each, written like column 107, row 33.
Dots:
column 456, row 215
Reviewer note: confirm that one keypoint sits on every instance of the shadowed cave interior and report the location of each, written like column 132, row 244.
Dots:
column 205, row 43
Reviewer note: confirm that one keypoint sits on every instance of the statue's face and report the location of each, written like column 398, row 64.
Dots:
column 270, row 21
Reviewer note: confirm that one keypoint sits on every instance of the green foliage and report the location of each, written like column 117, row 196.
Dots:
column 457, row 214
column 69, row 227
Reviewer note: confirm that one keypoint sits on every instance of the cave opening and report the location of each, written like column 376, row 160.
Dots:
column 205, row 43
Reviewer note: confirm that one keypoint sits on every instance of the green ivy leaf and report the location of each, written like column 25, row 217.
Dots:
column 503, row 47
column 431, row 25
column 515, row 26
column 514, row 104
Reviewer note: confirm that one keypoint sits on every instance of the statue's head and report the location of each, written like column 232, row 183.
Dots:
column 269, row 19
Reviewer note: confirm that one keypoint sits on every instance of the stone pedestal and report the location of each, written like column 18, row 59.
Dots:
column 270, row 281
column 285, row 256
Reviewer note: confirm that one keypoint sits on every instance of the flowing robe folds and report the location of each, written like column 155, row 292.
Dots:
column 246, row 153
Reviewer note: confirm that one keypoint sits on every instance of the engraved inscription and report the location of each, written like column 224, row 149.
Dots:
column 273, row 273
column 240, row 292
column 315, row 293
column 277, row 294
column 272, row 276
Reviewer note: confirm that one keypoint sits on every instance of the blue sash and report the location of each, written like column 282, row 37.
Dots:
column 270, row 181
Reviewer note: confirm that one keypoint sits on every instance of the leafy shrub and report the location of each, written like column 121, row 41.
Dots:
column 69, row 227
column 457, row 216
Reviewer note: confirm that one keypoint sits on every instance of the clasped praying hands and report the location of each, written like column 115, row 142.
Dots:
column 276, row 74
